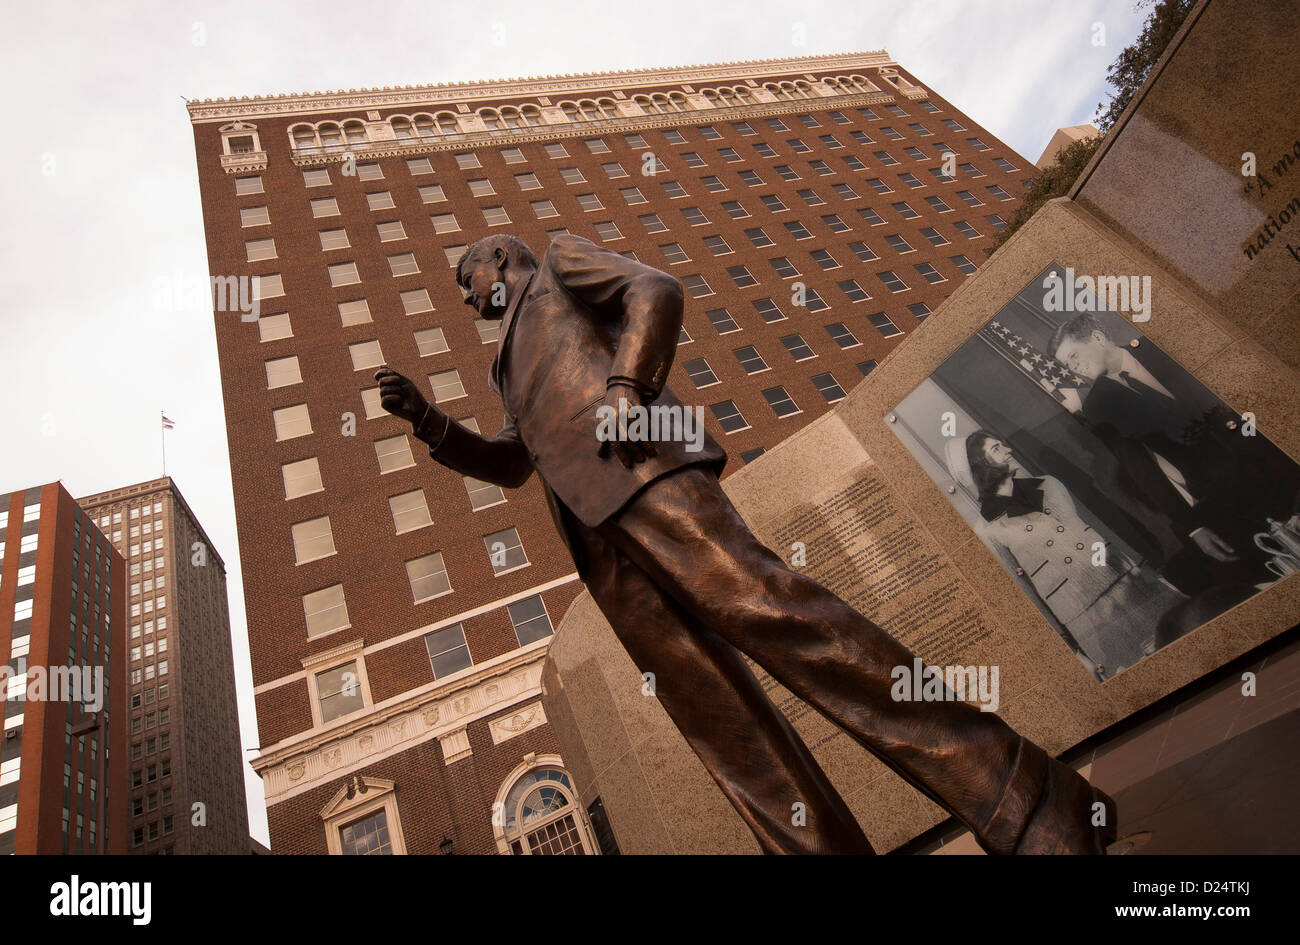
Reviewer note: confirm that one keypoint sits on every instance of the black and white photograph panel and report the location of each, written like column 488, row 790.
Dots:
column 1127, row 501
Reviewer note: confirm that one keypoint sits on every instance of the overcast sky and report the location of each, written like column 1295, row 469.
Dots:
column 103, row 240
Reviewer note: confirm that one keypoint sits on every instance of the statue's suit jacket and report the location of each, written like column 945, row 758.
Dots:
column 588, row 314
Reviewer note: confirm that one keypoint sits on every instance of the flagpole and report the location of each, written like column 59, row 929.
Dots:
column 162, row 435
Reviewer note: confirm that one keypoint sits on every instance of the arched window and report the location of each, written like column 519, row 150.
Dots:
column 402, row 129
column 679, row 101
column 491, row 121
column 607, row 108
column 304, row 139
column 664, row 103
column 571, row 111
column 532, row 115
column 330, row 136
column 355, row 131
column 647, row 106
column 449, row 126
column 425, row 128
column 540, row 816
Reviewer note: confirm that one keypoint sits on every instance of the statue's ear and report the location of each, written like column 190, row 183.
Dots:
column 501, row 257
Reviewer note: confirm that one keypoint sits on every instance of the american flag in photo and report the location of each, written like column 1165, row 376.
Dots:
column 1045, row 371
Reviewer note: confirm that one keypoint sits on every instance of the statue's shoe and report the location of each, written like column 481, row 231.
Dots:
column 1063, row 821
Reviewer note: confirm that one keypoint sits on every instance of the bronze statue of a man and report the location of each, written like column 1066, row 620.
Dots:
column 688, row 588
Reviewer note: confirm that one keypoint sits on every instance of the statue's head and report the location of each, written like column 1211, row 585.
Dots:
column 488, row 270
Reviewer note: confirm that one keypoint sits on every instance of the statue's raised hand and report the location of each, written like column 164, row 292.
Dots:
column 399, row 395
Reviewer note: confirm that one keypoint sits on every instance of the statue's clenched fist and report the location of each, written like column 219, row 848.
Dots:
column 399, row 395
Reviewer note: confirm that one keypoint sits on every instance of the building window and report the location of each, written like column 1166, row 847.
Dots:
column 365, row 355
column 333, row 239
column 741, row 275
column 448, row 651
column 482, row 494
column 416, row 301
column 344, row 274
column 544, row 209
column 272, row 328
column 674, row 253
column 842, row 336
column 854, row 291
column 355, row 312
column 962, row 263
column 403, row 264
column 446, row 386
column 325, row 611
column 696, row 286
column 750, row 360
column 428, row 577
column 505, row 551
column 432, row 193
column 410, row 511
column 530, row 620
column 700, row 373
column 390, row 231
column 729, row 417
column 784, row 268
column 797, row 347
column 828, row 388
column 722, row 321
column 929, row 273
column 882, row 324
column 393, row 454
column 248, row 185
column 430, row 341
column 324, row 207
column 291, row 422
column 281, row 372
column 892, row 282
column 338, row 691
column 780, row 402
column 254, row 216
column 312, row 540
column 543, row 819
column 920, row 310
column 769, row 310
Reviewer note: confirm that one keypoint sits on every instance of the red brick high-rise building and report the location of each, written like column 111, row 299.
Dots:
column 184, row 761
column 62, row 623
column 815, row 209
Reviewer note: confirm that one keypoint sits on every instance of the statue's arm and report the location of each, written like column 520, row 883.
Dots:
column 648, row 301
column 502, row 460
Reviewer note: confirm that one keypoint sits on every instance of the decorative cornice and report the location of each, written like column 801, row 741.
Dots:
column 243, row 163
column 302, row 764
column 582, row 129
column 222, row 109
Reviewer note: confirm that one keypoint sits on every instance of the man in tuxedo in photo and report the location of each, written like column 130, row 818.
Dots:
column 1180, row 454
column 687, row 587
